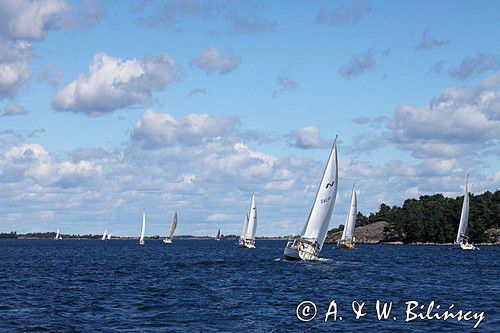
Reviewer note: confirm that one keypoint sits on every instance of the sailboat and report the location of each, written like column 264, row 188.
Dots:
column 247, row 238
column 104, row 235
column 143, row 229
column 217, row 238
column 462, row 241
column 108, row 237
column 347, row 239
column 57, row 237
column 168, row 240
column 309, row 244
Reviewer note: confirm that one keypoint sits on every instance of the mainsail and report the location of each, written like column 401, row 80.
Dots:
column 174, row 225
column 143, row 229
column 464, row 218
column 252, row 221
column 218, row 234
column 245, row 226
column 104, row 235
column 317, row 223
column 351, row 217
column 57, row 234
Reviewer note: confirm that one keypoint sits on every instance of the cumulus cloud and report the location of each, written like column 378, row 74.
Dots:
column 14, row 110
column 26, row 19
column 113, row 83
column 428, row 41
column 473, row 66
column 212, row 61
column 14, row 69
column 157, row 129
column 358, row 64
column 308, row 138
column 345, row 15
column 284, row 84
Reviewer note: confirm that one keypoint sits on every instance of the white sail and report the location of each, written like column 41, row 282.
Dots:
column 143, row 229
column 317, row 224
column 174, row 225
column 104, row 235
column 108, row 237
column 57, row 234
column 252, row 220
column 350, row 221
column 245, row 226
column 464, row 218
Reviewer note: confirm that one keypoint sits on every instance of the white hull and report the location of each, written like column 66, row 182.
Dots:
column 167, row 241
column 465, row 246
column 248, row 243
column 301, row 250
column 141, row 242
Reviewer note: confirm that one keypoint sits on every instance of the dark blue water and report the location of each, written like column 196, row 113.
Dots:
column 203, row 285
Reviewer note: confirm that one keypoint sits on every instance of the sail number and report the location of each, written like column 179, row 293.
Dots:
column 326, row 199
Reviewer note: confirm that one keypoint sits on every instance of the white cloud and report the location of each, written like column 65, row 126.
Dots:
column 348, row 14
column 14, row 69
column 428, row 41
column 284, row 84
column 308, row 138
column 473, row 66
column 211, row 61
column 157, row 129
column 14, row 110
column 113, row 83
column 358, row 64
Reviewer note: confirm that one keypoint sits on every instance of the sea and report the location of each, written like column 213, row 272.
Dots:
column 210, row 286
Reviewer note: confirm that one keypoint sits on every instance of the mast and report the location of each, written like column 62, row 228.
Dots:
column 252, row 220
column 350, row 220
column 174, row 225
column 143, row 229
column 321, row 212
column 464, row 217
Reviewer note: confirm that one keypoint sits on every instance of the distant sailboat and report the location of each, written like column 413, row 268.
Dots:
column 247, row 238
column 168, row 240
column 143, row 229
column 104, row 235
column 462, row 241
column 217, row 238
column 310, row 242
column 108, row 237
column 347, row 240
column 57, row 237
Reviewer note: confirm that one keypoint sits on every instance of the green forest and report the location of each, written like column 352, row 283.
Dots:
column 435, row 218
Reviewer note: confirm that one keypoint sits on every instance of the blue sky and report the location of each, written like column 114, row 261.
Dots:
column 193, row 105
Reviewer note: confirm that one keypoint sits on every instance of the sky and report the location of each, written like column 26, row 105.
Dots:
column 112, row 108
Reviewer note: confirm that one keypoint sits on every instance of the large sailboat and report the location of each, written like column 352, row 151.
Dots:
column 247, row 238
column 217, row 238
column 308, row 245
column 58, row 236
column 168, row 240
column 143, row 229
column 347, row 240
column 104, row 235
column 462, row 241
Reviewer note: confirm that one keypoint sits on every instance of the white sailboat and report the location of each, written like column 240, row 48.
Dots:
column 168, row 240
column 143, row 229
column 347, row 240
column 57, row 237
column 108, row 237
column 310, row 242
column 462, row 241
column 247, row 238
column 104, row 234
column 217, row 238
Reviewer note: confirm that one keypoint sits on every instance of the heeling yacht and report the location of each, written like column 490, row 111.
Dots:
column 217, row 238
column 143, row 229
column 104, row 235
column 462, row 241
column 347, row 240
column 309, row 244
column 247, row 238
column 58, row 236
column 168, row 240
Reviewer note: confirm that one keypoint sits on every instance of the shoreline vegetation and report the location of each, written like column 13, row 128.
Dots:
column 429, row 220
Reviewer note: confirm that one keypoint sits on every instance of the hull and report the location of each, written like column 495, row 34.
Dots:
column 345, row 245
column 465, row 246
column 301, row 250
column 141, row 242
column 167, row 241
column 247, row 243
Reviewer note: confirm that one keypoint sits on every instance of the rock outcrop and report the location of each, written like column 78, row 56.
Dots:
column 372, row 233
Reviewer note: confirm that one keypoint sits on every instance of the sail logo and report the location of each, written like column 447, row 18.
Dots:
column 330, row 184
